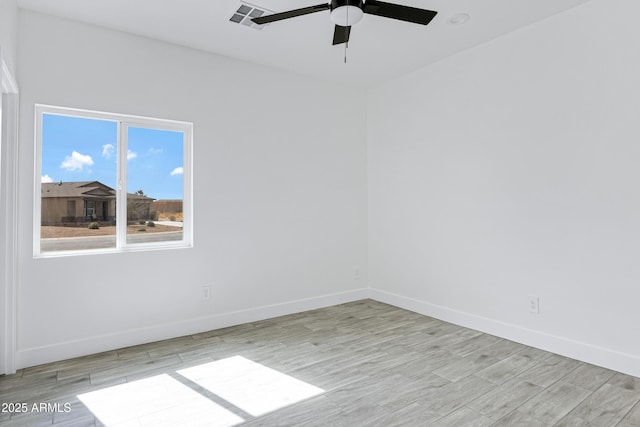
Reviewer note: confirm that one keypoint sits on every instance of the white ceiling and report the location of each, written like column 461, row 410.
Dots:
column 379, row 48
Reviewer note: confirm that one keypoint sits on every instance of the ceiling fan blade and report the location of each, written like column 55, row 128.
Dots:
column 341, row 34
column 397, row 11
column 291, row 14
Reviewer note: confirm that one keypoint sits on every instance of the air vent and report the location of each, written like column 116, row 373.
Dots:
column 245, row 12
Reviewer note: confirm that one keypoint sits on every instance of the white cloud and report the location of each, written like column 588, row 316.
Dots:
column 46, row 179
column 76, row 162
column 107, row 150
column 177, row 171
column 131, row 155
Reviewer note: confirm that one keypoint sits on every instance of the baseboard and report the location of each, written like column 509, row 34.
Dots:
column 600, row 356
column 596, row 355
column 66, row 350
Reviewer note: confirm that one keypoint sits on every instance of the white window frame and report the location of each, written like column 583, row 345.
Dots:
column 8, row 218
column 123, row 123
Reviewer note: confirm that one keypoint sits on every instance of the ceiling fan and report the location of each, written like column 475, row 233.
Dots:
column 345, row 13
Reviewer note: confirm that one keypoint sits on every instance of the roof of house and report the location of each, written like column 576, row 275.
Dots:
column 77, row 189
column 82, row 189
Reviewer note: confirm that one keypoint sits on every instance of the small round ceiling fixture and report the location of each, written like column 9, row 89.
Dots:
column 459, row 19
column 346, row 16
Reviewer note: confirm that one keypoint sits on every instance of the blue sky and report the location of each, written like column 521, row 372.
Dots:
column 80, row 149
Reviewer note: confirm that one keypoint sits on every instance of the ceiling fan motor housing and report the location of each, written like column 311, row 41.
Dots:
column 346, row 12
column 337, row 3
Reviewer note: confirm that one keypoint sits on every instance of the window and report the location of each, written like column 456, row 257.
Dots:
column 90, row 210
column 109, row 182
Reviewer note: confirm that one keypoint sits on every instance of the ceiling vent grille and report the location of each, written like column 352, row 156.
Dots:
column 245, row 12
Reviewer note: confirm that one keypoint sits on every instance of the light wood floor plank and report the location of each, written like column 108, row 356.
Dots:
column 376, row 365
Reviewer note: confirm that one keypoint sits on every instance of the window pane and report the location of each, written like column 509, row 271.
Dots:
column 155, row 186
column 78, row 197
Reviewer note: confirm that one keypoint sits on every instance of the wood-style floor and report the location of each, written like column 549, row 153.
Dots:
column 358, row 364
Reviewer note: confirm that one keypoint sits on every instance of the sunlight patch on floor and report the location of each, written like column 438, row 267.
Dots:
column 155, row 402
column 252, row 387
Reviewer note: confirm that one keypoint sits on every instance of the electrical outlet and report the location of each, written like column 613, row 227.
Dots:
column 534, row 304
column 356, row 272
column 206, row 292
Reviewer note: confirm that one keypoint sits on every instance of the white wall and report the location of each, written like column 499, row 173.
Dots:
column 512, row 170
column 506, row 171
column 8, row 32
column 279, row 189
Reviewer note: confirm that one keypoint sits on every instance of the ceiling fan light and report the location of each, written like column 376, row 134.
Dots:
column 346, row 16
